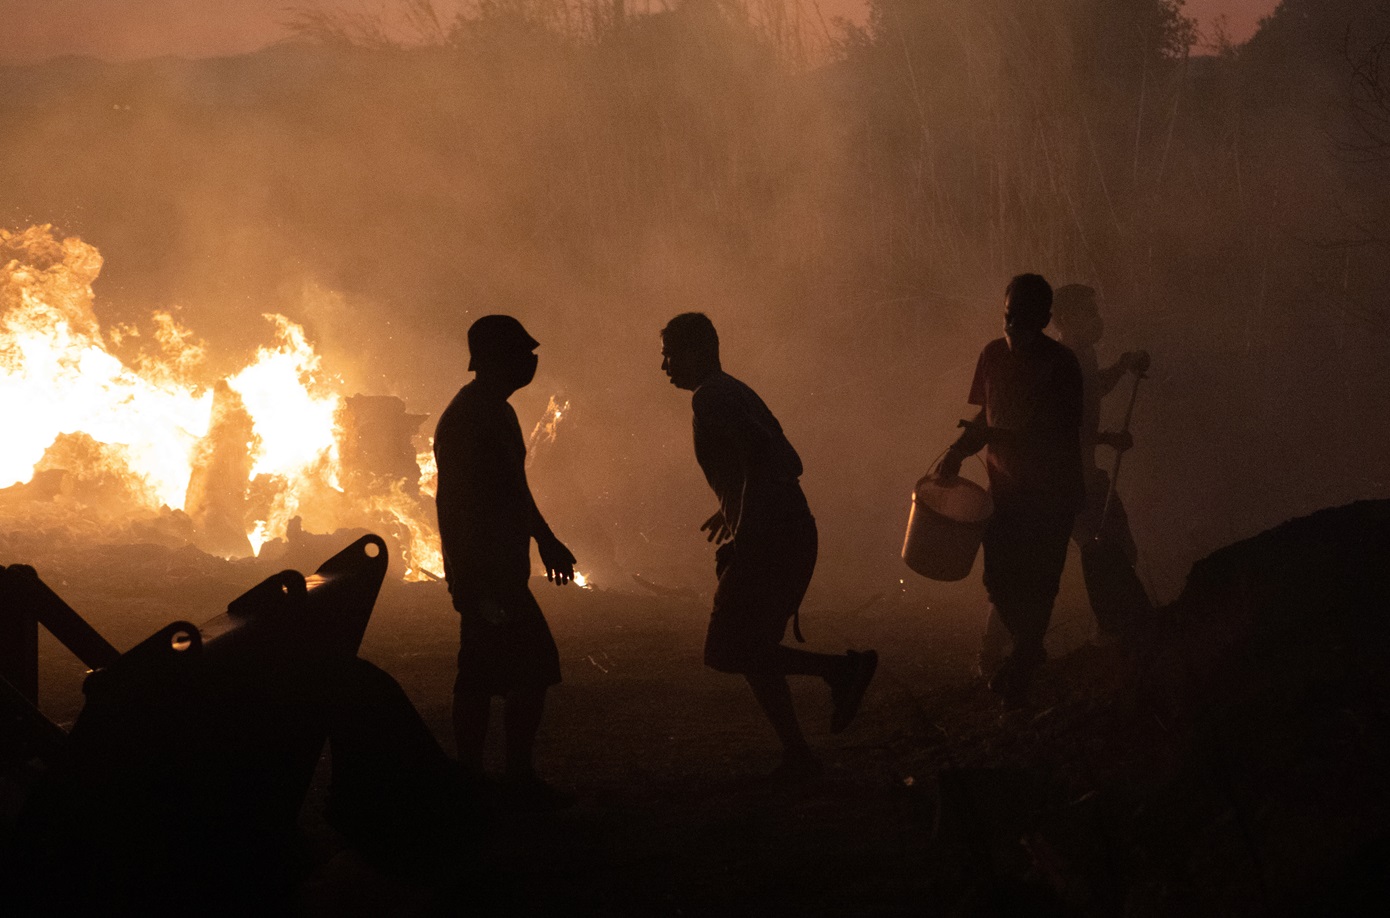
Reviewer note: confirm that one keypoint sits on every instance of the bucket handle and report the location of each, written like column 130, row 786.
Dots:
column 930, row 477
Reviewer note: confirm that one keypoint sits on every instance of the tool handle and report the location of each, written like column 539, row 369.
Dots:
column 1119, row 458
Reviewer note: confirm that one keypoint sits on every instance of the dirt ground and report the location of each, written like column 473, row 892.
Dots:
column 1097, row 799
column 663, row 754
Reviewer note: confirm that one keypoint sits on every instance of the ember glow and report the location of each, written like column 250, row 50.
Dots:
column 547, row 428
column 245, row 455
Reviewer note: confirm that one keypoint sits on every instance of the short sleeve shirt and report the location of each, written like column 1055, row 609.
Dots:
column 747, row 460
column 483, row 500
column 1033, row 404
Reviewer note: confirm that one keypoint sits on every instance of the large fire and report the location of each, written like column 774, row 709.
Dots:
column 248, row 459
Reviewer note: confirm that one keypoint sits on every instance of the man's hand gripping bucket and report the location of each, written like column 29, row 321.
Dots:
column 945, row 526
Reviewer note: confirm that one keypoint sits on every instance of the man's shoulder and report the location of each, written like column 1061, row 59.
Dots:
column 455, row 411
column 720, row 382
column 993, row 352
column 469, row 408
column 717, row 392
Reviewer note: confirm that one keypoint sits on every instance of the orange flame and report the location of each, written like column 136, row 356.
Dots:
column 57, row 377
column 150, row 418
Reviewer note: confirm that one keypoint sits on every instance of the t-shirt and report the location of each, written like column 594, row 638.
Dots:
column 1033, row 405
column 747, row 460
column 483, row 500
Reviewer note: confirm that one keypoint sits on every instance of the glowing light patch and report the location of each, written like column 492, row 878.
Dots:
column 293, row 415
column 149, row 416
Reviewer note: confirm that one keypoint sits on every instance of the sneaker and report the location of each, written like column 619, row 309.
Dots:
column 847, row 692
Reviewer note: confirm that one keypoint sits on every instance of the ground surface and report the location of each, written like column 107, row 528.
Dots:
column 1109, row 794
column 663, row 754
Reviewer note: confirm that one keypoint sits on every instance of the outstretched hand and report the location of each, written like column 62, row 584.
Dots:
column 557, row 561
column 717, row 528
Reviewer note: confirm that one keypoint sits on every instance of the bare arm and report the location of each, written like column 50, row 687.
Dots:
column 971, row 440
column 1136, row 362
column 557, row 560
column 973, row 437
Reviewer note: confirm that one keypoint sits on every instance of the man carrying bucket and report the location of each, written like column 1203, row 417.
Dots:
column 1102, row 529
column 1029, row 389
column 767, row 545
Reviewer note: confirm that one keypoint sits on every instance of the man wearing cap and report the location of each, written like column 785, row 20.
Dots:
column 1028, row 387
column 487, row 519
column 767, row 545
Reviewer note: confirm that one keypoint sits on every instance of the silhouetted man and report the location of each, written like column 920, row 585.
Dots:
column 1029, row 390
column 487, row 519
column 1107, row 547
column 767, row 544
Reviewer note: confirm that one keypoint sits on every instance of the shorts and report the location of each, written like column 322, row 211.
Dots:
column 759, row 591
column 518, row 653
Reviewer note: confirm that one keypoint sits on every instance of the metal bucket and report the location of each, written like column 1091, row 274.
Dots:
column 945, row 526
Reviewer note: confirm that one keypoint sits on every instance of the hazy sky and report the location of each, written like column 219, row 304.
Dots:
column 124, row 29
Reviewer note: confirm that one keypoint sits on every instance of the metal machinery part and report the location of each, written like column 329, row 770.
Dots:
column 198, row 745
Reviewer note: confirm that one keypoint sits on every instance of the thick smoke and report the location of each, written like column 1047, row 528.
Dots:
column 846, row 204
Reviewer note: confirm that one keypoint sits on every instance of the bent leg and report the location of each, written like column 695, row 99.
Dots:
column 791, row 661
column 775, row 698
column 1117, row 596
column 1107, row 563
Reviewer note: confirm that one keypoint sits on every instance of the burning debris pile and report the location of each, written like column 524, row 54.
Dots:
column 97, row 449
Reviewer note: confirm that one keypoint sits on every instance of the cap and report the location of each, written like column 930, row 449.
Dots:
column 497, row 335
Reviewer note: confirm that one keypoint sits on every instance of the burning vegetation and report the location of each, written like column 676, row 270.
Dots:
column 231, row 464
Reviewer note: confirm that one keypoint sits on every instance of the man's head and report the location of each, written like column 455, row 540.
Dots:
column 500, row 350
column 1027, row 310
column 689, row 350
column 1076, row 316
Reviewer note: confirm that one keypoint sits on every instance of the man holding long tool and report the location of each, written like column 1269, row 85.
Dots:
column 1102, row 530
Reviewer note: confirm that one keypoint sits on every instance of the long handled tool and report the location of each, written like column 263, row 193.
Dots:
column 1119, row 457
